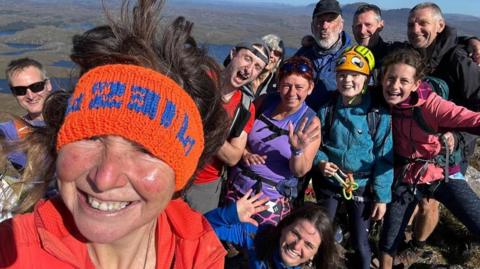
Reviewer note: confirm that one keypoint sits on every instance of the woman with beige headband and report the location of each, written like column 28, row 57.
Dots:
column 142, row 116
column 266, row 81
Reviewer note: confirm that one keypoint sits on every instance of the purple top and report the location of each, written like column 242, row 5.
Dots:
column 277, row 150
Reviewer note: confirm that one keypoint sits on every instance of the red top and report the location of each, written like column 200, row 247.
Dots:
column 48, row 238
column 212, row 170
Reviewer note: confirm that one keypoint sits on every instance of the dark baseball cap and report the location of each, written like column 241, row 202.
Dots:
column 327, row 6
column 257, row 47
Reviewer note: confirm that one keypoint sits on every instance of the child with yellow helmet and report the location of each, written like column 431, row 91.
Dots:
column 355, row 161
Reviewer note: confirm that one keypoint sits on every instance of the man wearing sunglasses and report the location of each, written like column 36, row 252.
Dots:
column 30, row 85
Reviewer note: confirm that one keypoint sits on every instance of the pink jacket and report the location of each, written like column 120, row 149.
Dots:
column 412, row 142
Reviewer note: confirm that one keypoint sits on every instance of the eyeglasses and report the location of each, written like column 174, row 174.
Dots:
column 296, row 67
column 34, row 87
column 277, row 53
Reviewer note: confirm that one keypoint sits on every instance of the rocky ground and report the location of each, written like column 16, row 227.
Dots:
column 451, row 245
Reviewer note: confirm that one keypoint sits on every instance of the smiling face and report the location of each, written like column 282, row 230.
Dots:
column 32, row 102
column 243, row 68
column 299, row 242
column 112, row 187
column 350, row 84
column 274, row 59
column 398, row 82
column 293, row 90
column 423, row 27
column 366, row 28
column 327, row 28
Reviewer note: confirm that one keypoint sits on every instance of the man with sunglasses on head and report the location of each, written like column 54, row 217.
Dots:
column 247, row 60
column 30, row 85
column 331, row 41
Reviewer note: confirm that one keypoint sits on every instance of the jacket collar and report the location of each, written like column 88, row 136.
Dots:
column 59, row 236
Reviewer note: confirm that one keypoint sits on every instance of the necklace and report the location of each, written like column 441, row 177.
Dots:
column 152, row 231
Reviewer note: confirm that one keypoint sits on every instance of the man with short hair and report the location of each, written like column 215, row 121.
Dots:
column 448, row 60
column 331, row 41
column 30, row 85
column 368, row 23
column 366, row 27
column 247, row 60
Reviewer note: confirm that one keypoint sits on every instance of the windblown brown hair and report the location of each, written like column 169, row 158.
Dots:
column 408, row 56
column 135, row 38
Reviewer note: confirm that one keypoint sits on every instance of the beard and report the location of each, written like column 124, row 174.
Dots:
column 328, row 42
column 331, row 38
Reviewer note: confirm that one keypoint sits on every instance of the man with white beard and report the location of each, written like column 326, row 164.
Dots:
column 331, row 41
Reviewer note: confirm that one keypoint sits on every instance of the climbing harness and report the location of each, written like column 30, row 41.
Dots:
column 348, row 183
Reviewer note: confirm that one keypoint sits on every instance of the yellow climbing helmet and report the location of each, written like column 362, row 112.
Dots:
column 358, row 59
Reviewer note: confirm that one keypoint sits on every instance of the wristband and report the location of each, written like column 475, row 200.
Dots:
column 296, row 152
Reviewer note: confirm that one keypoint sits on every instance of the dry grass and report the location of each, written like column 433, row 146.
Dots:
column 8, row 104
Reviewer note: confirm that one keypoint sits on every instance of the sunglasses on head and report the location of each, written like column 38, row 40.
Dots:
column 34, row 87
column 296, row 67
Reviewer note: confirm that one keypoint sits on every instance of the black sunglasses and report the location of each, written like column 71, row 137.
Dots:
column 34, row 87
column 295, row 67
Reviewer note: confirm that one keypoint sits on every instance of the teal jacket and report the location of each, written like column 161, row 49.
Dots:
column 351, row 147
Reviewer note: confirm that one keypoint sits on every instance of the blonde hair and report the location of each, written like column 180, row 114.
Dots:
column 273, row 42
column 29, row 184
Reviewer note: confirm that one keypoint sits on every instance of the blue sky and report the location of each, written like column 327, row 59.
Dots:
column 470, row 7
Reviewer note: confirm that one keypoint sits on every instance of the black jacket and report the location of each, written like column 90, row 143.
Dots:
column 449, row 61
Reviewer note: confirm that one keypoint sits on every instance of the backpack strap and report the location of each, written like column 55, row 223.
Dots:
column 329, row 114
column 420, row 120
column 439, row 86
column 373, row 120
column 276, row 131
column 242, row 114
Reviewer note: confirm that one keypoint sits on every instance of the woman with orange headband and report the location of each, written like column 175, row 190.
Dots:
column 143, row 114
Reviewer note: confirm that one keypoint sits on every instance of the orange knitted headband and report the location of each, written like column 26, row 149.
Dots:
column 140, row 105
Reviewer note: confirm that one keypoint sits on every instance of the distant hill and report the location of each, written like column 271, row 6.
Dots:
column 50, row 24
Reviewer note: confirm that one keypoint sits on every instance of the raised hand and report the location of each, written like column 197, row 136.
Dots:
column 248, row 206
column 304, row 135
